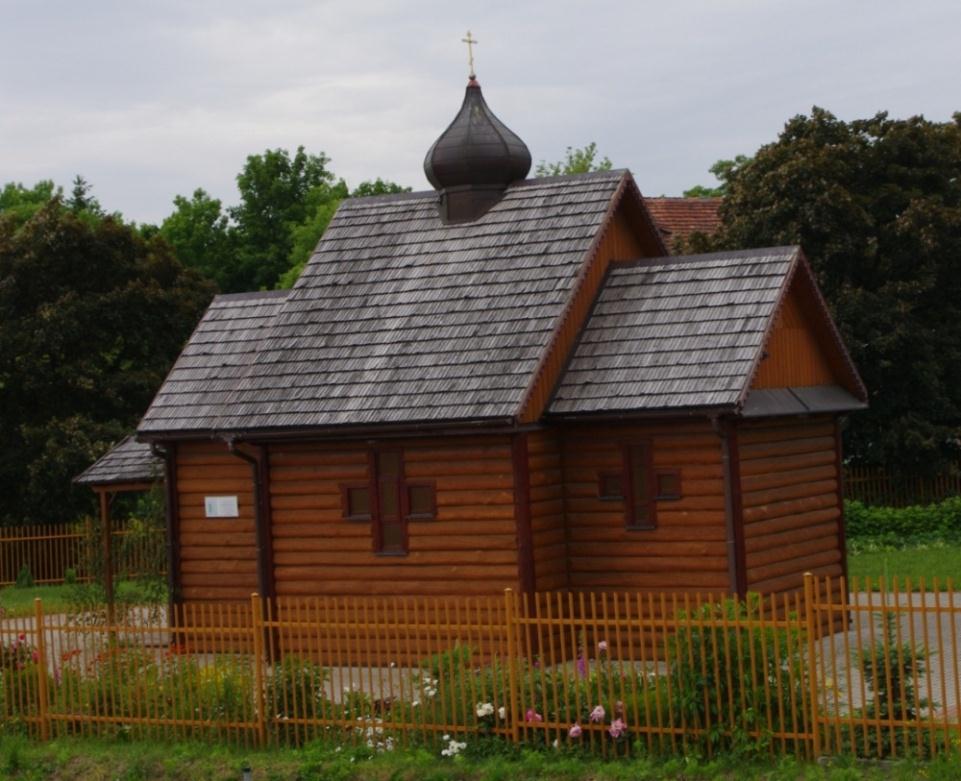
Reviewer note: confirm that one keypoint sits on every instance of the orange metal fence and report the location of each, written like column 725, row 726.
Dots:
column 49, row 554
column 882, row 487
column 874, row 673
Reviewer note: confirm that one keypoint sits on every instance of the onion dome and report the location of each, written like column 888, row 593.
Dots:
column 474, row 160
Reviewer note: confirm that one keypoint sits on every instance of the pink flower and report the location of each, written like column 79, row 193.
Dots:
column 575, row 731
column 582, row 666
column 617, row 728
column 35, row 656
column 602, row 647
column 533, row 715
column 598, row 714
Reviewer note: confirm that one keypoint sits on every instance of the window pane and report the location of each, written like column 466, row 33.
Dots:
column 393, row 537
column 388, row 499
column 420, row 499
column 609, row 486
column 388, row 464
column 639, row 485
column 358, row 501
column 668, row 485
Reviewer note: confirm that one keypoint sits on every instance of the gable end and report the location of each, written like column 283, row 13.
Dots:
column 802, row 346
column 628, row 232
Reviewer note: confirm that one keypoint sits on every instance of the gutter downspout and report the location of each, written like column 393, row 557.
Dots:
column 733, row 510
column 258, row 463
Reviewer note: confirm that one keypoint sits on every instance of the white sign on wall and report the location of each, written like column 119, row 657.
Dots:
column 221, row 506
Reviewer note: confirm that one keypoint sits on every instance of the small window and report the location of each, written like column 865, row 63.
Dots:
column 610, row 486
column 668, row 484
column 356, row 502
column 639, row 479
column 390, row 528
column 421, row 501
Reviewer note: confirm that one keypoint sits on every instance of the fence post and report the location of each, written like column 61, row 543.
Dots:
column 260, row 695
column 42, row 703
column 510, row 605
column 810, row 620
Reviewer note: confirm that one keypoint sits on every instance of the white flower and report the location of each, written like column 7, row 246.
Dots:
column 454, row 747
column 502, row 713
column 484, row 709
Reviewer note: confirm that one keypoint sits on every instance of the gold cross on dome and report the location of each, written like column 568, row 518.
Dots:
column 470, row 51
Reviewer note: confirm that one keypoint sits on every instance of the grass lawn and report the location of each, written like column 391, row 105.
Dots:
column 88, row 759
column 940, row 561
column 56, row 599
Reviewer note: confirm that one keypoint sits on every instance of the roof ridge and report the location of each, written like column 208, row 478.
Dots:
column 671, row 260
column 251, row 295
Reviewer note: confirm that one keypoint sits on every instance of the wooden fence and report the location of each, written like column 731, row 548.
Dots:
column 882, row 487
column 873, row 673
column 49, row 553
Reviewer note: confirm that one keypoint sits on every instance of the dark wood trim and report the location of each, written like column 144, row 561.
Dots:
column 667, row 472
column 346, row 514
column 106, row 541
column 265, row 542
column 526, row 575
column 630, row 501
column 429, row 515
column 123, row 487
column 377, row 536
column 839, row 466
column 601, row 493
column 172, row 519
column 733, row 478
column 260, row 468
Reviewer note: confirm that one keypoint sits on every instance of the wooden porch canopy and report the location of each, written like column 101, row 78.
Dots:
column 128, row 466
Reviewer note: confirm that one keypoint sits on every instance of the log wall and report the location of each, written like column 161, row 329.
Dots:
column 686, row 552
column 218, row 555
column 547, row 510
column 789, row 490
column 469, row 548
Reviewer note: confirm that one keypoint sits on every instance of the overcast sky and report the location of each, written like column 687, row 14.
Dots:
column 151, row 99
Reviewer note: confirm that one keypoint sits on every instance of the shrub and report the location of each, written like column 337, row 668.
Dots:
column 296, row 688
column 903, row 526
column 24, row 577
column 739, row 678
column 889, row 669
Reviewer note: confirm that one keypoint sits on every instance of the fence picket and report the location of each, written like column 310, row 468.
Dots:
column 807, row 672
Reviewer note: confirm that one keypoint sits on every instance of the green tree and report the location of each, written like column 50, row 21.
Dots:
column 724, row 171
column 19, row 203
column 377, row 187
column 276, row 191
column 93, row 316
column 576, row 161
column 876, row 205
column 81, row 200
column 200, row 232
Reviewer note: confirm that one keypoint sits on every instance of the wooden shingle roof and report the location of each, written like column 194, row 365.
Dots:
column 675, row 333
column 129, row 461
column 397, row 318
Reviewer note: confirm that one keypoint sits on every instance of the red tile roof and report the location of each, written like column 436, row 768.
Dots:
column 678, row 218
